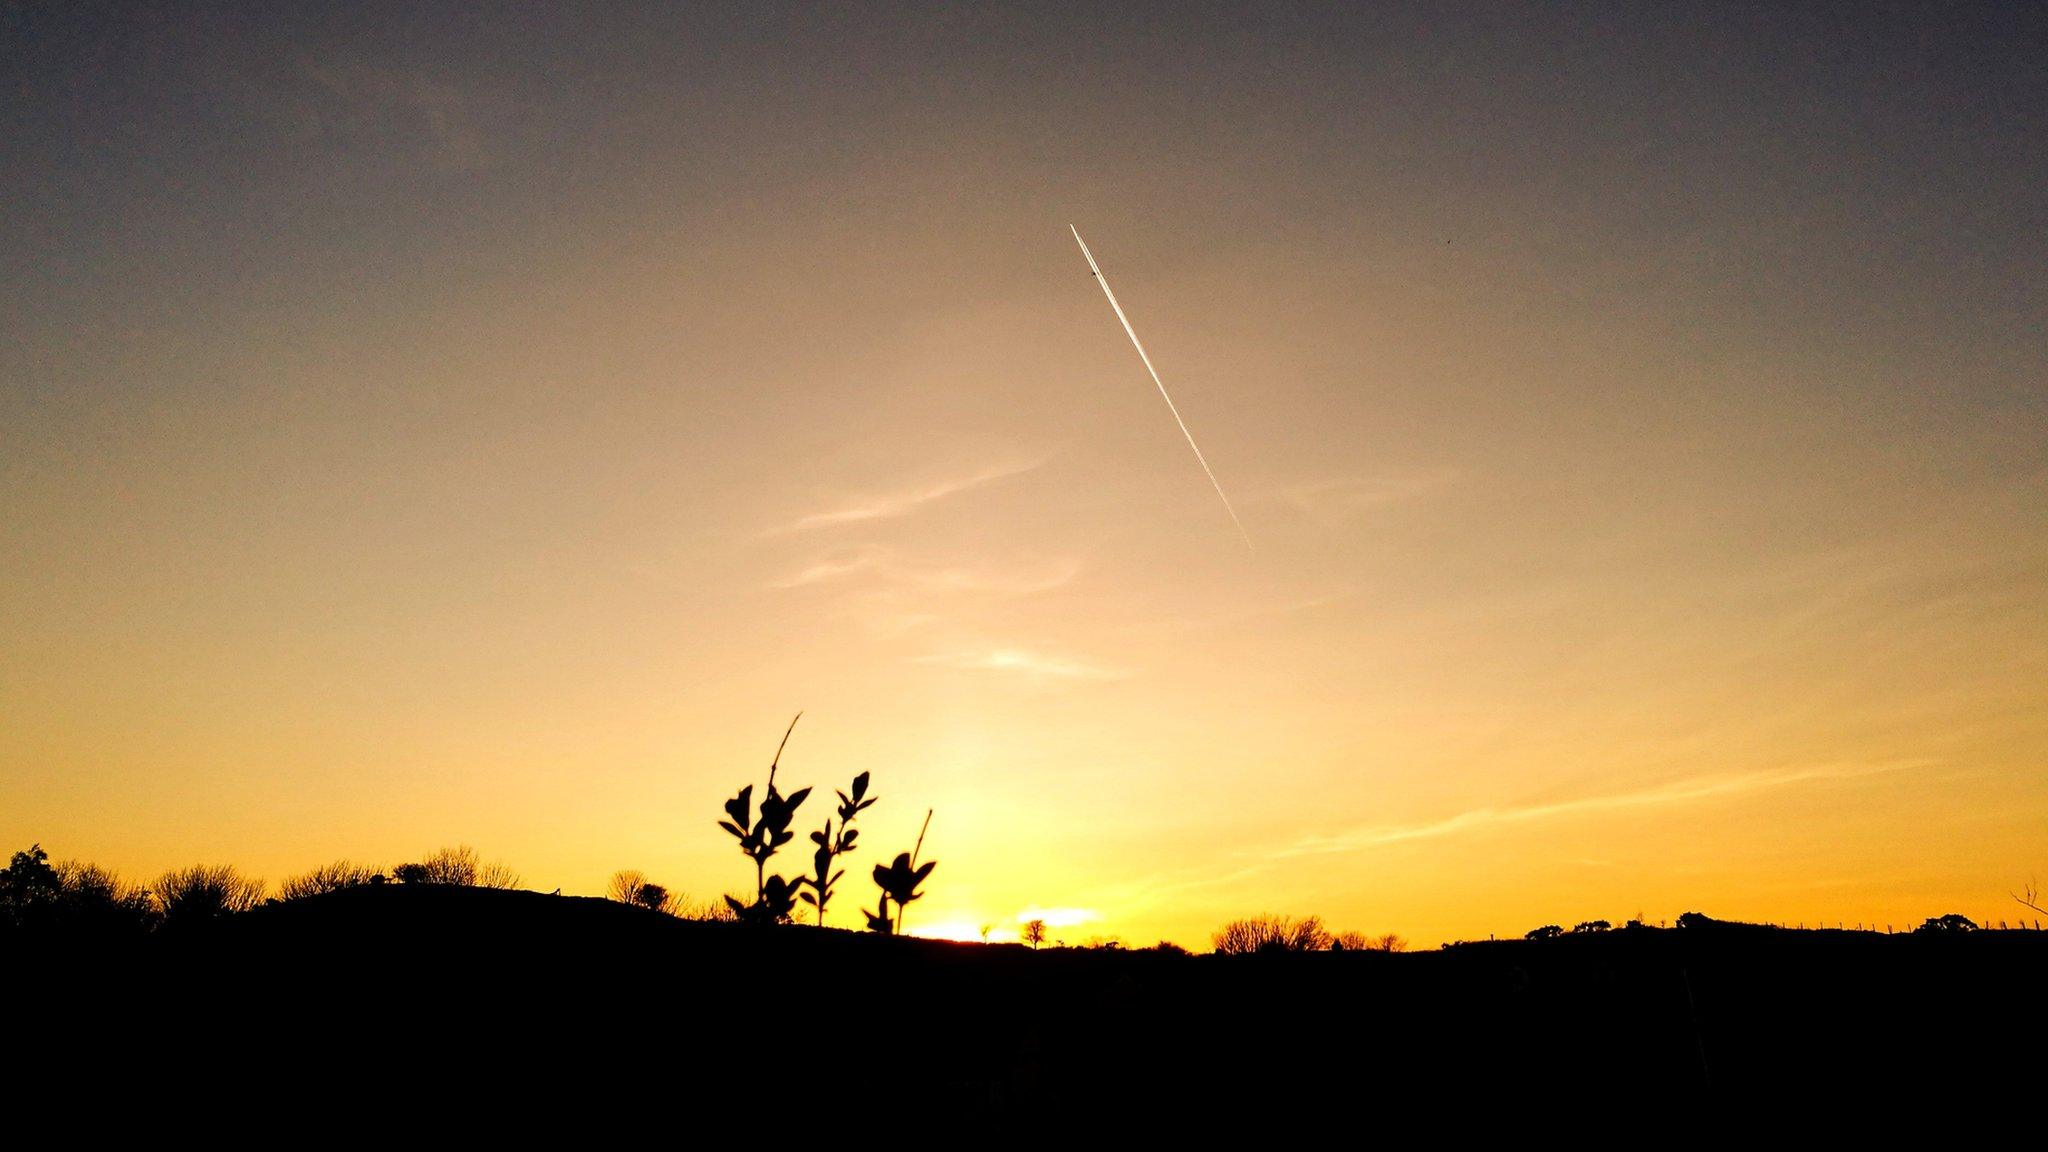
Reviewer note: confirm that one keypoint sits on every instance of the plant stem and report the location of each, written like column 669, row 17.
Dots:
column 772, row 764
column 913, row 863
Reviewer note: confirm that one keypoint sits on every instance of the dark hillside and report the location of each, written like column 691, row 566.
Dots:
column 457, row 990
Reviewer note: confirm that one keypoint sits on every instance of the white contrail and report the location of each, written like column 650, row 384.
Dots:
column 1135, row 343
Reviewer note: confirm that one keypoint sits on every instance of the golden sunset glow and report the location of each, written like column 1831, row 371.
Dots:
column 497, row 438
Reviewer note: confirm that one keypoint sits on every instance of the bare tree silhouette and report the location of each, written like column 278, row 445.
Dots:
column 632, row 886
column 202, row 892
column 1270, row 933
column 458, row 866
column 329, row 878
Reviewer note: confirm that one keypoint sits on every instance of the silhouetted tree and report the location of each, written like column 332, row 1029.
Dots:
column 457, row 866
column 329, row 878
column 1951, row 923
column 69, row 897
column 202, row 893
column 1033, row 933
column 633, row 887
column 29, row 888
column 1270, row 933
column 1585, row 926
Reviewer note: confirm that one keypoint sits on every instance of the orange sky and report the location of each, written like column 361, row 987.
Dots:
column 442, row 429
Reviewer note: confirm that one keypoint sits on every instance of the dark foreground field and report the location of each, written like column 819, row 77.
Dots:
column 466, row 999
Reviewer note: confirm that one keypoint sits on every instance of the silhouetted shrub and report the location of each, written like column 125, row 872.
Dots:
column 202, row 893
column 633, row 887
column 329, row 878
column 1360, row 942
column 458, row 866
column 1951, row 923
column 93, row 899
column 711, row 911
column 1695, row 920
column 1547, row 932
column 1585, row 926
column 1169, row 948
column 1269, row 933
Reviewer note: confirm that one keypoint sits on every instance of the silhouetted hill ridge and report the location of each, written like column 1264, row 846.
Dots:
column 569, row 990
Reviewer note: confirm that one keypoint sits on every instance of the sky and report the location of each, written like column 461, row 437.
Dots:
column 490, row 424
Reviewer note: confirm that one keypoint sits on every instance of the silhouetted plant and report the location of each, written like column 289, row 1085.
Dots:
column 1547, row 932
column 761, row 837
column 899, row 883
column 1033, row 933
column 329, row 878
column 457, row 866
column 1585, row 926
column 830, row 847
column 1169, row 948
column 1944, row 925
column 202, row 893
column 1269, row 933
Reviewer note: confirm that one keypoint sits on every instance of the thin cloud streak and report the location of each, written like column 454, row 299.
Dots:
column 1152, row 890
column 1679, row 792
column 1017, row 661
column 892, row 505
column 883, row 564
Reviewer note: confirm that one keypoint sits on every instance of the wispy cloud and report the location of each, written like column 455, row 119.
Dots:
column 1019, row 662
column 1148, row 891
column 890, row 505
column 883, row 564
column 1677, row 792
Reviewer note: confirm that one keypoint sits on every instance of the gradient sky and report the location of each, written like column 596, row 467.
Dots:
column 489, row 423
